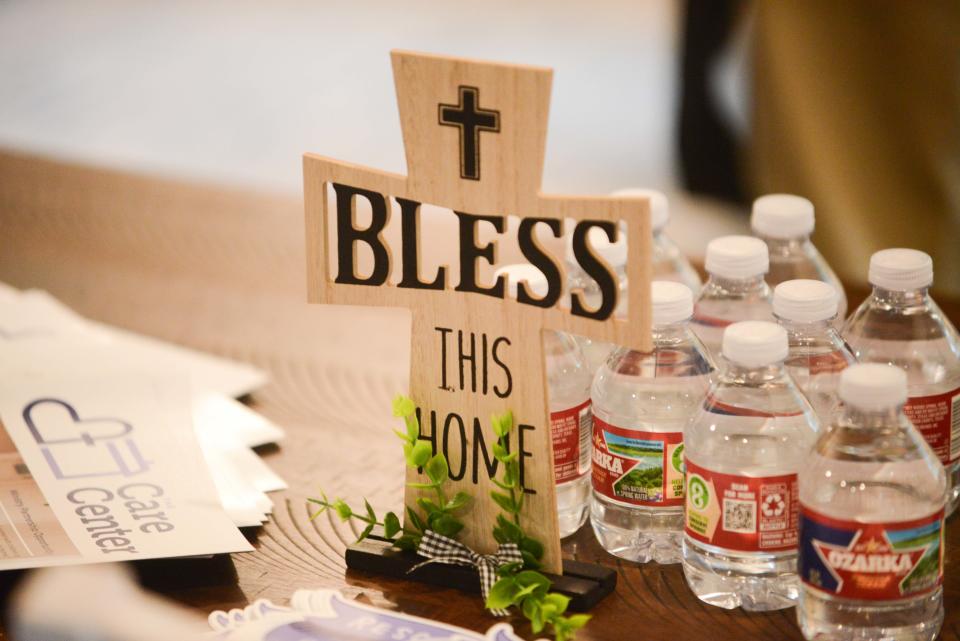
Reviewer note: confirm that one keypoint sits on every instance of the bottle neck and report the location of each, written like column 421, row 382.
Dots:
column 785, row 246
column 671, row 332
column 855, row 416
column 809, row 329
column 741, row 374
column 901, row 299
column 739, row 285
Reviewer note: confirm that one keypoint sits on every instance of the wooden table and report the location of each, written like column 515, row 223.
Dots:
column 223, row 271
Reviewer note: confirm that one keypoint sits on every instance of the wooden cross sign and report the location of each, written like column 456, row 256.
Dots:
column 475, row 134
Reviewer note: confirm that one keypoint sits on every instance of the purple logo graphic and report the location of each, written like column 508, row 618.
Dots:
column 108, row 435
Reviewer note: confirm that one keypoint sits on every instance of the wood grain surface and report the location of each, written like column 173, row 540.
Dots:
column 223, row 271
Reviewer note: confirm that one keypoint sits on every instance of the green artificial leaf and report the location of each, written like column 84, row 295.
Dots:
column 532, row 546
column 343, row 510
column 501, row 594
column 422, row 486
column 499, row 451
column 506, row 422
column 536, row 621
column 408, row 453
column 511, row 531
column 497, row 426
column 459, row 500
column 535, row 579
column 415, row 520
column 436, row 468
column 510, row 475
column 509, row 568
column 391, row 524
column 370, row 513
column 407, row 542
column 420, row 454
column 366, row 532
column 559, row 601
column 501, row 485
column 504, row 501
column 548, row 610
column 403, row 406
column 428, row 506
column 577, row 621
column 445, row 525
column 529, row 561
column 413, row 427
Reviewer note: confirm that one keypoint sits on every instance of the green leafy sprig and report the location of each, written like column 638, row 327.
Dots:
column 520, row 584
column 437, row 514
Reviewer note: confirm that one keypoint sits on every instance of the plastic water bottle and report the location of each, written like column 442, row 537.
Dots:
column 900, row 324
column 872, row 500
column 642, row 401
column 669, row 263
column 807, row 309
column 785, row 223
column 568, row 396
column 735, row 290
column 615, row 255
column 744, row 448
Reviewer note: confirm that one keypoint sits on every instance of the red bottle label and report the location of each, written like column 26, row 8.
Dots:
column 938, row 419
column 570, row 432
column 637, row 468
column 871, row 561
column 746, row 514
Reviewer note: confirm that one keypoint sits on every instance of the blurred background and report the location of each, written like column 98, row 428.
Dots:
column 855, row 105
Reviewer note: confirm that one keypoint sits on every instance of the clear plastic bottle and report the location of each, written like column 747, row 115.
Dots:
column 744, row 448
column 641, row 402
column 615, row 254
column 872, row 500
column 568, row 396
column 901, row 325
column 735, row 290
column 785, row 223
column 807, row 309
column 669, row 263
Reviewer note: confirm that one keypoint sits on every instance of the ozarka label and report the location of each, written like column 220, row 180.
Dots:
column 871, row 561
column 747, row 514
column 637, row 467
column 938, row 419
column 570, row 431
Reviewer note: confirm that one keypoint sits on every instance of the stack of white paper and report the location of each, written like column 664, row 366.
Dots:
column 113, row 439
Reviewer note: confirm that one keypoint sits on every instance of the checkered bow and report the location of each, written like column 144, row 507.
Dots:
column 441, row 549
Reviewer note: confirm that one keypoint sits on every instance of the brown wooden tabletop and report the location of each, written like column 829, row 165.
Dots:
column 223, row 271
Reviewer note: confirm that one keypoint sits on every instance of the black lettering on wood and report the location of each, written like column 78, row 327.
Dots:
column 524, row 454
column 470, row 252
column 606, row 281
column 348, row 235
column 455, row 475
column 502, row 393
column 539, row 258
column 409, row 237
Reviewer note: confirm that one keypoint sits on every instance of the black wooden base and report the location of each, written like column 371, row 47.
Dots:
column 586, row 584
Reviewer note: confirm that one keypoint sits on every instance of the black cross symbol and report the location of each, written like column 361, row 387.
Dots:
column 471, row 120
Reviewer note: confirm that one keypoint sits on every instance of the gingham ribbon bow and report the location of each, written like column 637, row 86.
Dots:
column 441, row 549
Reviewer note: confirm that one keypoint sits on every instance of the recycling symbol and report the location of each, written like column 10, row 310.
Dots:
column 773, row 505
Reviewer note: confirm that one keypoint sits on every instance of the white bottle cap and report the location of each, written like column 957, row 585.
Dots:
column 737, row 257
column 901, row 270
column 805, row 301
column 782, row 216
column 537, row 285
column 873, row 386
column 659, row 209
column 754, row 343
column 672, row 302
